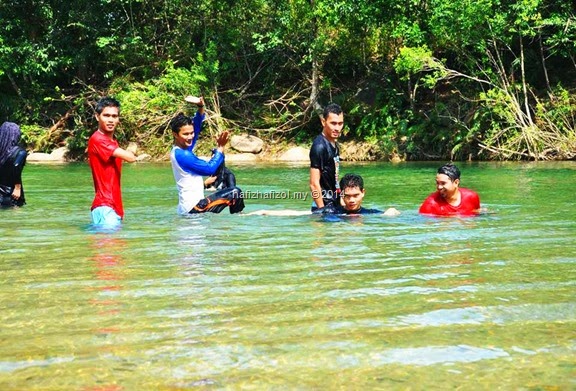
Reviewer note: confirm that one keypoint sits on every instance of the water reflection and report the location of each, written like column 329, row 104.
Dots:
column 109, row 282
column 431, row 355
column 108, row 265
column 193, row 246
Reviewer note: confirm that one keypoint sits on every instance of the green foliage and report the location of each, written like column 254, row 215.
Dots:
column 411, row 61
column 148, row 107
column 551, row 135
column 33, row 136
column 452, row 78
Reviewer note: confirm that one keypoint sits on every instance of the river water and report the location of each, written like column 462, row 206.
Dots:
column 261, row 302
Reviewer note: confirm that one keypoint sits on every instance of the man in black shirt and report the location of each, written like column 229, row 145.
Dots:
column 325, row 159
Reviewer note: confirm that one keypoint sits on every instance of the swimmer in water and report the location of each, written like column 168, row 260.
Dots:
column 449, row 198
column 352, row 194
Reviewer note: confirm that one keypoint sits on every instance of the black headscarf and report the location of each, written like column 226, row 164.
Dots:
column 9, row 138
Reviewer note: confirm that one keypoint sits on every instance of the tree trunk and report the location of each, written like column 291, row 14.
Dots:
column 543, row 57
column 524, row 86
column 315, row 89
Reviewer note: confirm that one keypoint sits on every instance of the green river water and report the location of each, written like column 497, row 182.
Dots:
column 261, row 302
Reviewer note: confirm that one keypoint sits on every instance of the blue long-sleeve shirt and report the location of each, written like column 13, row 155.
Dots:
column 188, row 170
column 188, row 160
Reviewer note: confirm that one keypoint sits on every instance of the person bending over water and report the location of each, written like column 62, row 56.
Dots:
column 12, row 160
column 449, row 198
column 351, row 193
column 188, row 168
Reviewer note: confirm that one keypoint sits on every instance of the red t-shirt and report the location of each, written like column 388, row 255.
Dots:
column 436, row 205
column 106, row 172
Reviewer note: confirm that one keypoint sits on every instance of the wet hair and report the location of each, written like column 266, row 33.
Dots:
column 179, row 121
column 107, row 101
column 331, row 108
column 450, row 170
column 351, row 180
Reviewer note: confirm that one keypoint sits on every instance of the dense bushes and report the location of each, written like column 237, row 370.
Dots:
column 491, row 79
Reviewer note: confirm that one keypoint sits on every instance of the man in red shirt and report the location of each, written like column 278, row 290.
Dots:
column 449, row 198
column 105, row 157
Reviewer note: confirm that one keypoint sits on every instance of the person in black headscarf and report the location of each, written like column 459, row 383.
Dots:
column 12, row 160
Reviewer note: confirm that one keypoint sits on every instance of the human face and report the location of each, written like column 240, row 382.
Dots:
column 184, row 137
column 332, row 126
column 446, row 186
column 108, row 119
column 352, row 197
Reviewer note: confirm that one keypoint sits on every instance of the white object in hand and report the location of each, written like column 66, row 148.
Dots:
column 192, row 99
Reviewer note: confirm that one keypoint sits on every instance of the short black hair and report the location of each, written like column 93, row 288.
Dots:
column 107, row 101
column 332, row 108
column 351, row 180
column 450, row 170
column 179, row 121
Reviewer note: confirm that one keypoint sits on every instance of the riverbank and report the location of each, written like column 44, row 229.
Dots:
column 280, row 152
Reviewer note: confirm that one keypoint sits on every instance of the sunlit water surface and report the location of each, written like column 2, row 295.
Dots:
column 261, row 302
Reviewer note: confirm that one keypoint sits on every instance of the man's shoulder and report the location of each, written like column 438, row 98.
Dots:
column 434, row 199
column 368, row 211
column 340, row 210
column 101, row 138
column 177, row 152
column 94, row 136
column 470, row 197
column 361, row 211
column 468, row 192
column 319, row 138
column 318, row 141
column 184, row 156
column 321, row 145
column 431, row 196
column 182, row 151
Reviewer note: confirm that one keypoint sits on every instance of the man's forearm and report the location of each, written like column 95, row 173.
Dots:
column 316, row 191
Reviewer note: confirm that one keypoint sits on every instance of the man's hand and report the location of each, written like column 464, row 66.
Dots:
column 194, row 100
column 391, row 212
column 222, row 140
column 198, row 101
column 209, row 181
column 17, row 191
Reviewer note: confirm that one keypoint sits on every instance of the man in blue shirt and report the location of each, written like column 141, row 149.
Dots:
column 188, row 168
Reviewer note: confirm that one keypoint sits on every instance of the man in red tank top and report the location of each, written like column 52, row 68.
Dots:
column 449, row 198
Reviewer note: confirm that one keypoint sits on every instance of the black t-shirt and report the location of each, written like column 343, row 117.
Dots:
column 325, row 158
column 339, row 210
